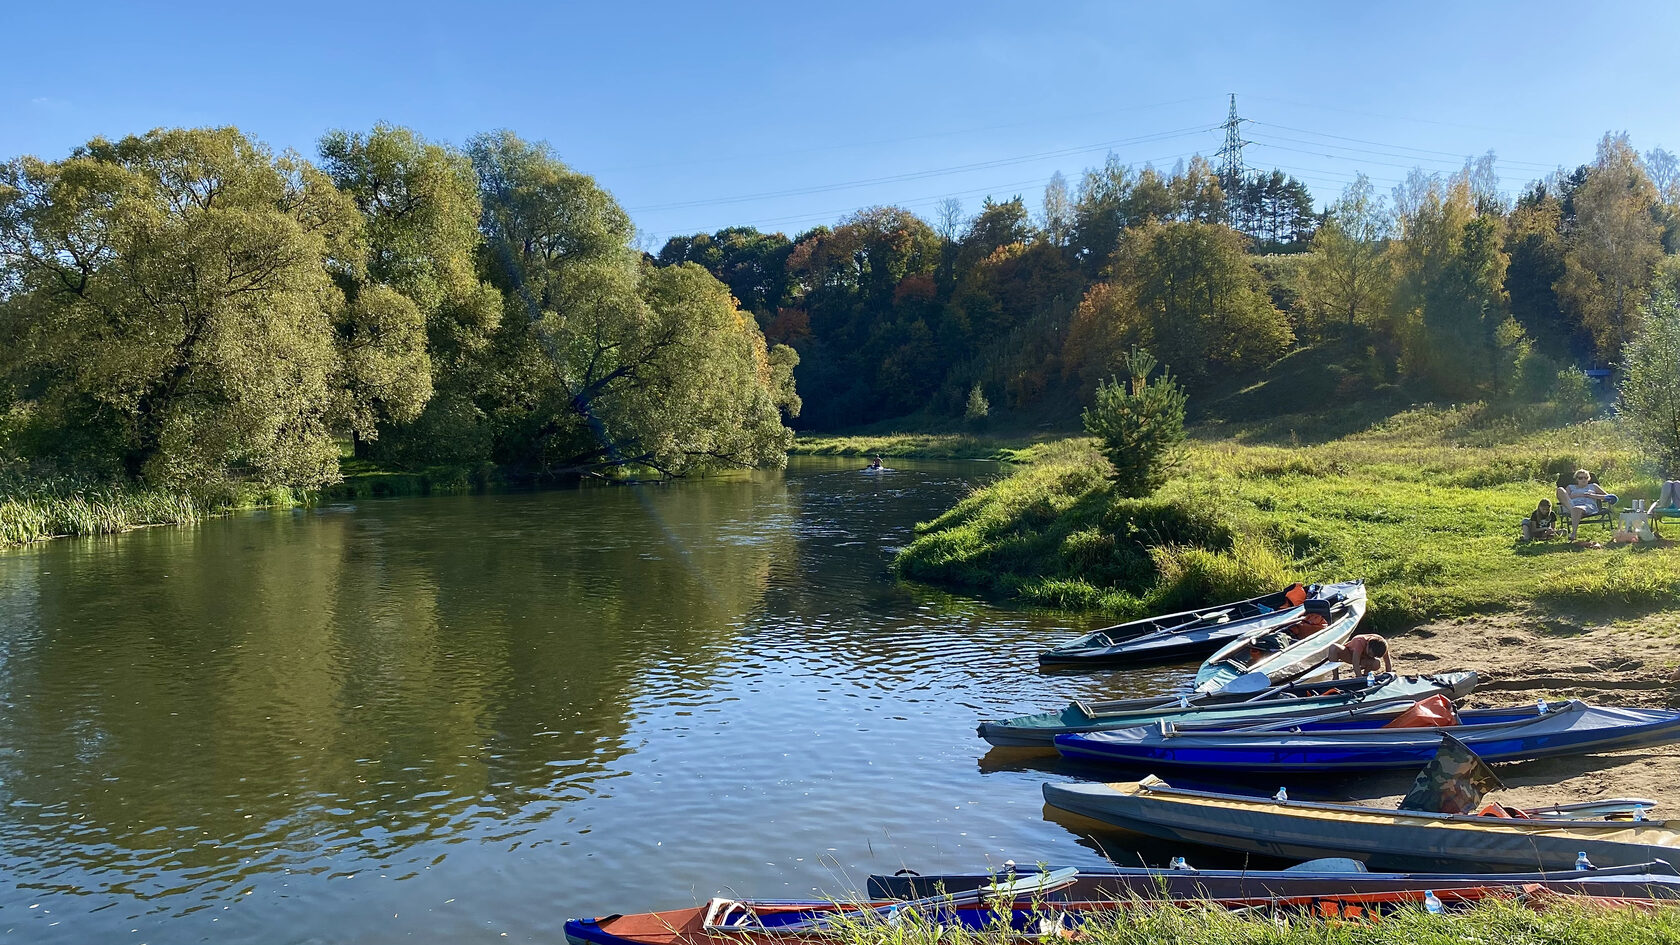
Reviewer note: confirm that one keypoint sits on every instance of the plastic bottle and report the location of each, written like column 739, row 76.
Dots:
column 1541, row 705
column 1178, row 864
column 1370, row 680
column 1639, row 812
column 1282, row 796
column 1432, row 902
column 1582, row 863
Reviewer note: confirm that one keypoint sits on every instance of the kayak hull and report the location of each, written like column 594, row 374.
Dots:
column 1040, row 731
column 1185, row 635
column 1383, row 838
column 1361, row 745
column 1288, row 652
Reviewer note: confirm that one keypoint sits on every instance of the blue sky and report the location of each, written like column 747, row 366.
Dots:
column 786, row 115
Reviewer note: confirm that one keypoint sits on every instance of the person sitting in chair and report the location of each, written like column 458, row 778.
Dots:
column 1582, row 498
column 1541, row 523
column 1668, row 497
column 1366, row 653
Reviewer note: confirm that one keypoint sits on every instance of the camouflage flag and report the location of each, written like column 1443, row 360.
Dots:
column 1452, row 783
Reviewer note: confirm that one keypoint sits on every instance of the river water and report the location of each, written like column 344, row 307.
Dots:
column 464, row 719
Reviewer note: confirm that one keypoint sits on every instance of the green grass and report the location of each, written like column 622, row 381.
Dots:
column 923, row 445
column 1490, row 922
column 1425, row 506
column 49, row 510
column 364, row 480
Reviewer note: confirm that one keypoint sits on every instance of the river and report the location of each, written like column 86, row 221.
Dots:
column 466, row 718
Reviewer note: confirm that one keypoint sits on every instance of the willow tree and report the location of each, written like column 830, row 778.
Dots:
column 171, row 310
column 602, row 360
column 421, row 206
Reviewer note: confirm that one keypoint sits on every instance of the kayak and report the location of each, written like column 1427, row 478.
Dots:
column 1369, row 738
column 1291, row 700
column 1400, row 839
column 1288, row 652
column 1326, row 876
column 1184, row 634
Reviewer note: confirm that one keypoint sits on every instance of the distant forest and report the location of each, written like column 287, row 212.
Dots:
column 1445, row 288
column 188, row 308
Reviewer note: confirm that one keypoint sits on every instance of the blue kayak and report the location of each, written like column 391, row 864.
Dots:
column 1364, row 740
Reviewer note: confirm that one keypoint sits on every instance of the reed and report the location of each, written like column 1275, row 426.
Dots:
column 31, row 511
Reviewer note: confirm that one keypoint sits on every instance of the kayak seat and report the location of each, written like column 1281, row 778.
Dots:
column 1434, row 712
column 1307, row 626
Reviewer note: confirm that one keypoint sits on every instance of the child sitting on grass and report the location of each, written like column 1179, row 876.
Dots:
column 1541, row 523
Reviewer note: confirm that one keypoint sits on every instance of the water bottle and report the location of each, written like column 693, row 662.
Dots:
column 1282, row 796
column 1178, row 864
column 1370, row 680
column 1582, row 863
column 1639, row 812
column 1432, row 902
column 1009, row 866
column 1184, row 702
column 1540, row 705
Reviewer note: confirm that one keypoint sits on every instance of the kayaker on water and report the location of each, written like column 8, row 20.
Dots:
column 876, row 464
column 1366, row 653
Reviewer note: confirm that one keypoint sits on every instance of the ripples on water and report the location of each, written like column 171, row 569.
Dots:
column 454, row 718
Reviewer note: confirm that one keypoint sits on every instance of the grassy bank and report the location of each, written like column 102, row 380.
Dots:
column 1505, row 922
column 1425, row 506
column 39, row 511
column 921, row 445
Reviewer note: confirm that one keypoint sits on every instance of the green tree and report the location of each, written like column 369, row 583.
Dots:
column 1141, row 425
column 1188, row 291
column 172, row 311
column 1650, row 393
column 1449, row 302
column 604, row 361
column 1347, row 279
column 1614, row 243
column 421, row 204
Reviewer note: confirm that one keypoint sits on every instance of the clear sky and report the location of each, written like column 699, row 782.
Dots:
column 786, row 115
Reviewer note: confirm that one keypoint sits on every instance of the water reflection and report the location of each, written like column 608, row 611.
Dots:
column 459, row 717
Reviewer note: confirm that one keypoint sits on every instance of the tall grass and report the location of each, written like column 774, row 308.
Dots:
column 1425, row 506
column 33, row 511
column 924, row 445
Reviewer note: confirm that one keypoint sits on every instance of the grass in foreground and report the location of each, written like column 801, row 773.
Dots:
column 1490, row 921
column 1425, row 507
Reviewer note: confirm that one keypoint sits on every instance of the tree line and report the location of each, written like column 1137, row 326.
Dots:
column 188, row 308
column 1446, row 287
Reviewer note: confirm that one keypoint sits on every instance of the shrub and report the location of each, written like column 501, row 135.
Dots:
column 1650, row 395
column 978, row 406
column 1141, row 425
column 1573, row 394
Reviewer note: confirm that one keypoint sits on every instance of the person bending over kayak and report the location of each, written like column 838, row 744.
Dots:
column 876, row 464
column 1366, row 653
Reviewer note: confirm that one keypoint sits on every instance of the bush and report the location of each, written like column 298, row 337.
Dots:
column 978, row 406
column 1141, row 425
column 1650, row 395
column 1572, row 393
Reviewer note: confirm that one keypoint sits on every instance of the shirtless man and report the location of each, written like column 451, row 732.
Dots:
column 1366, row 653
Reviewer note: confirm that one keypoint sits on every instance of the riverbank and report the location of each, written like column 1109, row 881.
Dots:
column 1424, row 506
column 40, row 512
column 919, row 445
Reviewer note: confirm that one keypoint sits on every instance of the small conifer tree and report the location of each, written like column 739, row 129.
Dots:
column 1141, row 424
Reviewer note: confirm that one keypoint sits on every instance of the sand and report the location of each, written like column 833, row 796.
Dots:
column 1524, row 657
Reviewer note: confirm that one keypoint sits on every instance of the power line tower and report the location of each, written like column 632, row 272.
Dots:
column 1231, row 170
